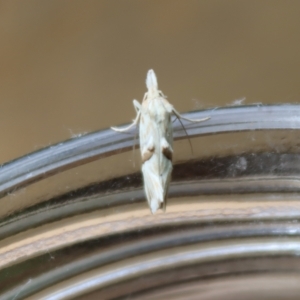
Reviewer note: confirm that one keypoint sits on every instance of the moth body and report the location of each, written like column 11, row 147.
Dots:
column 156, row 142
column 156, row 145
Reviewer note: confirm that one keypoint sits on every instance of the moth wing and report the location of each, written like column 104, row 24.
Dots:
column 152, row 185
column 149, row 145
column 156, row 142
column 165, row 178
column 147, row 138
column 165, row 146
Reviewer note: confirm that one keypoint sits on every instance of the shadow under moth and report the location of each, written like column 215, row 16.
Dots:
column 156, row 141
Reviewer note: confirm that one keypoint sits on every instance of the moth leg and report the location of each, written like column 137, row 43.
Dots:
column 178, row 115
column 138, row 108
column 134, row 123
column 148, row 150
column 145, row 96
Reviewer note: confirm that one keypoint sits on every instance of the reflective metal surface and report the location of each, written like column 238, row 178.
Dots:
column 75, row 223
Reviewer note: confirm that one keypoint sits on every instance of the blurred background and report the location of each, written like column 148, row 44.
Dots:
column 71, row 67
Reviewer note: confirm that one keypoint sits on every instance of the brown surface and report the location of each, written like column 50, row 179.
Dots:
column 69, row 231
column 74, row 67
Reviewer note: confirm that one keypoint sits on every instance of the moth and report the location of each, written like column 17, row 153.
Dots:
column 156, row 141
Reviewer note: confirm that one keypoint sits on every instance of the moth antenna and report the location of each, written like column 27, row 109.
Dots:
column 151, row 81
column 186, row 135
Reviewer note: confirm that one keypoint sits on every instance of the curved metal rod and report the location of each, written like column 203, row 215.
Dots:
column 48, row 161
column 166, row 260
column 170, row 240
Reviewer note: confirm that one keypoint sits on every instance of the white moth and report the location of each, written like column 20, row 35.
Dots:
column 156, row 141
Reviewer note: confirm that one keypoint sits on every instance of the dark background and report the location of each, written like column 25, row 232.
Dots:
column 70, row 67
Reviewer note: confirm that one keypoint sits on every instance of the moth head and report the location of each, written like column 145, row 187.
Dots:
column 151, row 83
column 151, row 80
